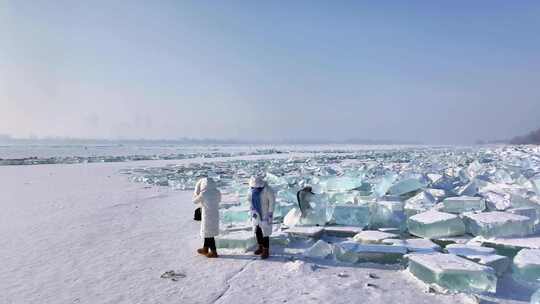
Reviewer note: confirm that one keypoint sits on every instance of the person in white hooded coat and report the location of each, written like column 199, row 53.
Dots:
column 208, row 196
column 262, row 201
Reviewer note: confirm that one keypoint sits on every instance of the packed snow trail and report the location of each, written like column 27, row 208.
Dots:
column 85, row 234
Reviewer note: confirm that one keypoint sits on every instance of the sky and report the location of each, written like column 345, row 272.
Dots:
column 442, row 72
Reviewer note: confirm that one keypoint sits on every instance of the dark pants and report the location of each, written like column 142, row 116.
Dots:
column 262, row 240
column 210, row 243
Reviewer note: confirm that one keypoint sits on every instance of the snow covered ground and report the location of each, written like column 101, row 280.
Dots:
column 84, row 233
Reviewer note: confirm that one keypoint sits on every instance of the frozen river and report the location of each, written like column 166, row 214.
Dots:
column 90, row 233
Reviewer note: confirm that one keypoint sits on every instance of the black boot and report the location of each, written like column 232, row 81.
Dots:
column 265, row 248
column 259, row 250
column 212, row 253
column 260, row 240
column 265, row 253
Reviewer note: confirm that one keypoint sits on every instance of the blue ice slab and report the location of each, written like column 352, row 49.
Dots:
column 421, row 202
column 350, row 215
column 452, row 272
column 535, row 298
column 434, row 224
column 460, row 204
column 405, row 186
column 381, row 188
column 237, row 214
column 236, row 240
column 526, row 267
column 387, row 214
column 380, row 253
column 498, row 224
column 536, row 184
column 341, row 183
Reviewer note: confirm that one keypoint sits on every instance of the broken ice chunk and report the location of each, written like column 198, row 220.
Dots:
column 445, row 241
column 312, row 217
column 380, row 253
column 498, row 262
column 474, row 169
column 470, row 189
column 373, row 237
column 526, row 266
column 342, row 231
column 461, row 204
column 279, row 238
column 452, row 272
column 341, row 183
column 438, row 194
column 344, row 252
column 424, row 198
column 510, row 246
column 446, row 183
column 482, row 255
column 365, row 189
column 536, row 184
column 352, row 252
column 281, row 209
column 292, row 218
column 519, row 201
column 497, row 200
column 434, row 177
column 236, row 240
column 529, row 212
column 237, row 214
column 502, row 176
column 319, row 250
column 343, row 197
column 305, row 232
column 415, row 245
column 384, row 184
column 405, row 186
column 435, row 224
column 286, row 196
column 535, row 298
column 421, row 202
column 394, row 230
column 387, row 214
column 350, row 215
column 275, row 180
column 498, row 224
column 464, row 250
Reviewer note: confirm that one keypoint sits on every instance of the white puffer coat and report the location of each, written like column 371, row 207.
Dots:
column 208, row 196
column 268, row 200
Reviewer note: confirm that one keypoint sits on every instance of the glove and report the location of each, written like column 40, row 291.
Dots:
column 268, row 218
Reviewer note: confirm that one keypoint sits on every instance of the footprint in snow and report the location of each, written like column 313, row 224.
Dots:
column 174, row 276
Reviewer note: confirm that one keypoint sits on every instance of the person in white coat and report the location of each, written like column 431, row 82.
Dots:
column 261, row 199
column 208, row 196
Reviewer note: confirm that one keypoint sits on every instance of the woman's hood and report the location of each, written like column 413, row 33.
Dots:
column 256, row 182
column 206, row 184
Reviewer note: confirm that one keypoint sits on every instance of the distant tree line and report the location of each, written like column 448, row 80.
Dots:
column 8, row 139
column 533, row 138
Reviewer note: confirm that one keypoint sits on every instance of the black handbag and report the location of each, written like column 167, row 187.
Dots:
column 197, row 216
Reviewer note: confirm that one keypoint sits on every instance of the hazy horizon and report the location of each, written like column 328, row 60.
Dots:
column 5, row 138
column 435, row 73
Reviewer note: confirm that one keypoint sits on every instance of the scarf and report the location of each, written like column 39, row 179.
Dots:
column 256, row 200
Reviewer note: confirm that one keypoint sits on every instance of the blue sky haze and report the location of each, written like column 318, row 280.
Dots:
column 430, row 71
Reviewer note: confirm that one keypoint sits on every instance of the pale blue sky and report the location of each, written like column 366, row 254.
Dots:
column 427, row 71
